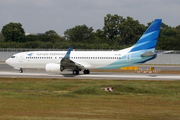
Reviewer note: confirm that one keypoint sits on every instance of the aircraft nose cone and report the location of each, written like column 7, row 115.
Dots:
column 7, row 61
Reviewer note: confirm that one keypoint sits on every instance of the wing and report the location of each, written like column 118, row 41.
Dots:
column 67, row 63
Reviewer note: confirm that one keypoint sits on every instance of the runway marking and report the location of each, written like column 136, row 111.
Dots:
column 92, row 76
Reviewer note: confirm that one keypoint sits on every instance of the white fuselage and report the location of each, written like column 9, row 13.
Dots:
column 89, row 59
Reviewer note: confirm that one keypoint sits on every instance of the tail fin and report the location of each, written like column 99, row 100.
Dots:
column 149, row 39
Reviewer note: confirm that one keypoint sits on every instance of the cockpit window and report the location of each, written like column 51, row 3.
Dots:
column 12, row 56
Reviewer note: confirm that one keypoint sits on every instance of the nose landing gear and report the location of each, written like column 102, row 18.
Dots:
column 21, row 70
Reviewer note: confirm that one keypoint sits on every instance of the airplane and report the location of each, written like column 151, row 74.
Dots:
column 56, row 61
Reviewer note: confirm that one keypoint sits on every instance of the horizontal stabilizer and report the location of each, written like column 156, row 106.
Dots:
column 147, row 54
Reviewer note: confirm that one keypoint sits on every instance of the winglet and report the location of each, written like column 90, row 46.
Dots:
column 68, row 53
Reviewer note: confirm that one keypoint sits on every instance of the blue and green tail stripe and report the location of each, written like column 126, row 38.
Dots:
column 149, row 38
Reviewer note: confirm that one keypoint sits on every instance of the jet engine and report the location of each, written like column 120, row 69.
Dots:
column 52, row 67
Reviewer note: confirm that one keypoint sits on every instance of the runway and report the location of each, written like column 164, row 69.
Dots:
column 8, row 71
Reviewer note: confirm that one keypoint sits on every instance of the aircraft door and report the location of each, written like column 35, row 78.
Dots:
column 128, row 58
column 21, row 58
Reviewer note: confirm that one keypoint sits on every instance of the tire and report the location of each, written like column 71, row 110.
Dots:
column 86, row 71
column 75, row 72
column 21, row 70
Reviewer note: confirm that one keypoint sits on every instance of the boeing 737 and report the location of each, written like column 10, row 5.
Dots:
column 56, row 61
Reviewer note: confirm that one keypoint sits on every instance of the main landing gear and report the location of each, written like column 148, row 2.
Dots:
column 76, row 72
column 86, row 71
column 21, row 70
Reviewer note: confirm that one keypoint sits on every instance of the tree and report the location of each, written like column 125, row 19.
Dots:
column 13, row 32
column 80, row 33
column 99, row 33
column 122, row 31
column 111, row 25
column 170, row 32
column 30, row 38
column 100, row 37
column 51, row 32
column 46, row 45
column 50, row 36
column 168, row 38
column 130, row 31
column 1, row 37
column 178, row 33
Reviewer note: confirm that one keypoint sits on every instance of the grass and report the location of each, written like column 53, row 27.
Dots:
column 52, row 99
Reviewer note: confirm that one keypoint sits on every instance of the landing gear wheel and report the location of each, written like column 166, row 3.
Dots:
column 21, row 70
column 75, row 72
column 86, row 71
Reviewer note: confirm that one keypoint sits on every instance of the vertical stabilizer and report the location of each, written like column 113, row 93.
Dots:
column 149, row 39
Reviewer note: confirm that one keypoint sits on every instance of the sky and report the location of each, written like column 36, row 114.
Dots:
column 39, row 16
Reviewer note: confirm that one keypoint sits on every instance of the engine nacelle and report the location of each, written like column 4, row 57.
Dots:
column 52, row 67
